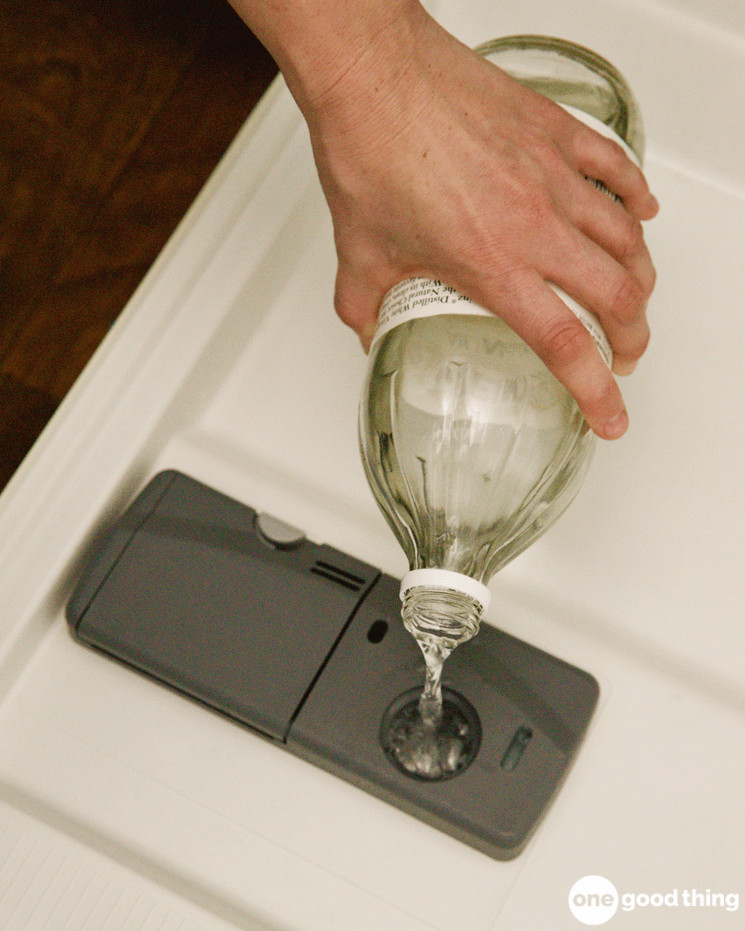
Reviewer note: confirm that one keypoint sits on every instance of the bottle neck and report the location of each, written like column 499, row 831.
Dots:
column 439, row 619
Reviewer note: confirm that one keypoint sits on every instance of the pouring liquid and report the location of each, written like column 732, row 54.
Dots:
column 431, row 737
column 472, row 448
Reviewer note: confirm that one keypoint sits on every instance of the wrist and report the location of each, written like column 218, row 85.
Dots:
column 327, row 49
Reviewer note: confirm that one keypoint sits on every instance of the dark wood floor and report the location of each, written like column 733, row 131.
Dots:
column 112, row 116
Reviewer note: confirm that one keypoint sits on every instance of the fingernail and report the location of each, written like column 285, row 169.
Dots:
column 366, row 336
column 623, row 368
column 616, row 426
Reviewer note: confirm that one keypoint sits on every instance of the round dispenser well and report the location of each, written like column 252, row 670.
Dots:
column 429, row 752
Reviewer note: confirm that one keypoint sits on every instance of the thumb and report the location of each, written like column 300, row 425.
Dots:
column 357, row 298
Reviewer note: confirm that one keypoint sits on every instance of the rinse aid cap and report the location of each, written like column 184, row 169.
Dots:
column 449, row 580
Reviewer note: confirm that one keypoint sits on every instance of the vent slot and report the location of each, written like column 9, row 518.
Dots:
column 518, row 745
column 340, row 576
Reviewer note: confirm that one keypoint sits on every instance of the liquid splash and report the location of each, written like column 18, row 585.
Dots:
column 432, row 736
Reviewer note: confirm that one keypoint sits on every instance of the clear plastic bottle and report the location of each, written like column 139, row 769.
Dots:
column 471, row 447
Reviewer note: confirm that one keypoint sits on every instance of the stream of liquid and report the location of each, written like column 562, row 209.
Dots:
column 430, row 702
column 430, row 737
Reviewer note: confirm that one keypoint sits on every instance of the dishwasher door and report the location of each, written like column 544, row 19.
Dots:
column 125, row 805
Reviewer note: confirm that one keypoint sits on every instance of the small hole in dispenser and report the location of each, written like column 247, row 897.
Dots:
column 378, row 630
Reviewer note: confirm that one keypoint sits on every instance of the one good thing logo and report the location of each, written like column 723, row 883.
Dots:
column 593, row 900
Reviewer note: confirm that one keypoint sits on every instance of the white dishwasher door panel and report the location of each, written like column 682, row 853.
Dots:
column 125, row 806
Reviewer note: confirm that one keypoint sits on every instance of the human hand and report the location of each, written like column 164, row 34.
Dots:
column 436, row 163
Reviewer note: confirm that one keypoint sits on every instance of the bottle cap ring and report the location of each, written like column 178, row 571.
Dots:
column 446, row 579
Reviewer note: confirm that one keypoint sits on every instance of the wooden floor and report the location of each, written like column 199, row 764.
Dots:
column 112, row 116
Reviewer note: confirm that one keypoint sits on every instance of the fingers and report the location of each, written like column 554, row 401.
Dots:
column 537, row 315
column 612, row 292
column 611, row 272
column 615, row 296
column 615, row 230
column 544, row 322
column 521, row 296
column 550, row 226
column 605, row 160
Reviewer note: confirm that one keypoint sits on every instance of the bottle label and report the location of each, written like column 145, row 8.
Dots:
column 427, row 297
column 422, row 297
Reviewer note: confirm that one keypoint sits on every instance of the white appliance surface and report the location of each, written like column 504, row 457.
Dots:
column 124, row 806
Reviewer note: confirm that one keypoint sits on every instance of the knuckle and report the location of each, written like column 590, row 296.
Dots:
column 629, row 347
column 626, row 298
column 527, row 192
column 651, row 279
column 632, row 239
column 642, row 343
column 351, row 315
column 633, row 254
column 538, row 208
column 347, row 312
column 564, row 342
column 352, row 302
column 615, row 155
column 552, row 159
column 601, row 396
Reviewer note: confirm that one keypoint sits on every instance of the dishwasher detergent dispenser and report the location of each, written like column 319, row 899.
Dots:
column 304, row 645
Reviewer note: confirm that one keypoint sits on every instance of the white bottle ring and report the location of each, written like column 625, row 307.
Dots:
column 445, row 578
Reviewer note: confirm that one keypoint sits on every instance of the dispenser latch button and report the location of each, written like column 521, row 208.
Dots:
column 277, row 533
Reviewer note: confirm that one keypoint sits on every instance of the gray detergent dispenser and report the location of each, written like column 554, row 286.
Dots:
column 304, row 645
